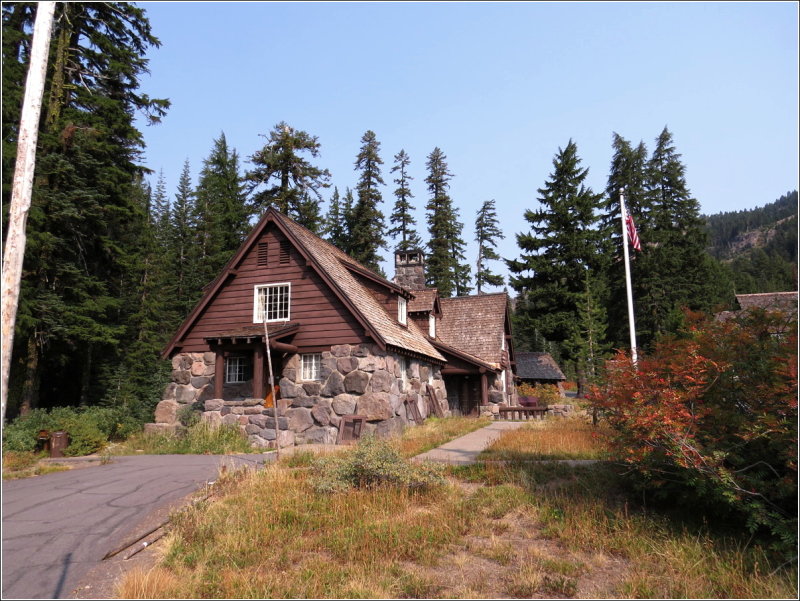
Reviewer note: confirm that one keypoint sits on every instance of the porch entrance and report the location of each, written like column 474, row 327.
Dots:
column 463, row 394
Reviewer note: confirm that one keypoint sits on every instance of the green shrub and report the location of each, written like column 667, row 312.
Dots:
column 89, row 428
column 373, row 463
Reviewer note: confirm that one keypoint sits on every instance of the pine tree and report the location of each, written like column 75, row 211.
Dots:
column 281, row 177
column 335, row 227
column 447, row 269
column 221, row 215
column 628, row 172
column 366, row 224
column 487, row 231
column 402, row 216
column 184, row 258
column 674, row 269
column 562, row 246
column 83, row 223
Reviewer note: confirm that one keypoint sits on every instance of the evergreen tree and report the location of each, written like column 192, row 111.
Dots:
column 487, row 231
column 221, row 215
column 84, row 220
column 184, row 259
column 629, row 173
column 674, row 269
column 447, row 269
column 366, row 224
column 335, row 227
column 281, row 177
column 561, row 248
column 310, row 215
column 402, row 216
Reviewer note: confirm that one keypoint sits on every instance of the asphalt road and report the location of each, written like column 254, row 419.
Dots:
column 59, row 526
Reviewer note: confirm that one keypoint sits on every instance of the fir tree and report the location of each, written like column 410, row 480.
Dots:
column 184, row 258
column 84, row 221
column 674, row 269
column 281, row 177
column 402, row 217
column 562, row 246
column 335, row 224
column 366, row 224
column 487, row 231
column 221, row 215
column 446, row 267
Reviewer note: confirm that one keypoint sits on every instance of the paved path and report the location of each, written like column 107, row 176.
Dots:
column 464, row 450
column 59, row 526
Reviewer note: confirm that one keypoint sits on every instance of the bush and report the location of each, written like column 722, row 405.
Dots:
column 712, row 418
column 89, row 428
column 372, row 463
column 546, row 393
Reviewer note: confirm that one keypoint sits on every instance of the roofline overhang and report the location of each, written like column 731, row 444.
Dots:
column 464, row 356
column 374, row 277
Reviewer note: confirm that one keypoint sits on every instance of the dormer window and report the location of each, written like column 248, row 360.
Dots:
column 431, row 325
column 402, row 311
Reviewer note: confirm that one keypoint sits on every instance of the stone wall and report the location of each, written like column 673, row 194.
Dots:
column 354, row 380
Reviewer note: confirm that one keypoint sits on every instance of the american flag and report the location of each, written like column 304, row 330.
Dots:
column 634, row 237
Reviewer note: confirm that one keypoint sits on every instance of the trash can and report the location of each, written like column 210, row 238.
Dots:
column 43, row 441
column 58, row 442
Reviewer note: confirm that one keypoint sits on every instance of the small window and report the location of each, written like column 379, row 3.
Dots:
column 262, row 254
column 403, row 371
column 238, row 369
column 431, row 325
column 272, row 301
column 402, row 310
column 312, row 364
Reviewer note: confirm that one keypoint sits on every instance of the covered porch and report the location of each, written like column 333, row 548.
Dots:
column 241, row 367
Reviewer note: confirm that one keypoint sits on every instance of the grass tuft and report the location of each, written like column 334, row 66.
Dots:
column 201, row 438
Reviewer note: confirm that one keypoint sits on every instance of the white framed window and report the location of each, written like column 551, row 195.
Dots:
column 237, row 369
column 402, row 310
column 312, row 366
column 431, row 325
column 272, row 300
column 403, row 371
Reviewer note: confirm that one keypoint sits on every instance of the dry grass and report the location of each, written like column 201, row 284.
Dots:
column 25, row 465
column 513, row 529
column 551, row 438
column 437, row 431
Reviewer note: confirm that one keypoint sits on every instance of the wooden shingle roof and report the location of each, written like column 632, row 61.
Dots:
column 424, row 300
column 338, row 270
column 538, row 366
column 475, row 324
column 781, row 301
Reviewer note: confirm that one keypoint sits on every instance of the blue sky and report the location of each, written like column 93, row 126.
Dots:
column 499, row 87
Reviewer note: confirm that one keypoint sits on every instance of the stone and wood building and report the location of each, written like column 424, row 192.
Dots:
column 346, row 345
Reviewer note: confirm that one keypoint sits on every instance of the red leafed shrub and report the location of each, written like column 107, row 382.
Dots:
column 714, row 413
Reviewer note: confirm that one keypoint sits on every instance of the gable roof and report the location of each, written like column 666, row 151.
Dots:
column 426, row 300
column 337, row 270
column 538, row 366
column 475, row 325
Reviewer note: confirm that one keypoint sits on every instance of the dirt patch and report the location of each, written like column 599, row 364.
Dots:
column 511, row 557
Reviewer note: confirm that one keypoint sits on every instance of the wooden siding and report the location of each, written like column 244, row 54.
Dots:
column 386, row 297
column 324, row 319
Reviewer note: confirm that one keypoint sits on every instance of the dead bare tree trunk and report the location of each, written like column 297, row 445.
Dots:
column 22, row 187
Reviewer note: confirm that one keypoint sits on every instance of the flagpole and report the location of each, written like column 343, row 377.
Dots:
column 631, row 326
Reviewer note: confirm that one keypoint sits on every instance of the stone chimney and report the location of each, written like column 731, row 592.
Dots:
column 409, row 269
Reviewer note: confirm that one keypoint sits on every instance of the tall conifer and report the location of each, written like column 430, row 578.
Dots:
column 281, row 177
column 367, row 225
column 562, row 246
column 487, row 232
column 402, row 217
column 447, row 269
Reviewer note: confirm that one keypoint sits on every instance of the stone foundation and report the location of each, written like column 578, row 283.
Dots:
column 354, row 380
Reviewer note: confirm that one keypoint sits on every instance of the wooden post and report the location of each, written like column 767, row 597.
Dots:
column 219, row 373
column 22, row 186
column 258, row 372
column 484, row 388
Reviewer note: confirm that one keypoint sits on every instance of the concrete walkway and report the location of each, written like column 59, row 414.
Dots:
column 465, row 450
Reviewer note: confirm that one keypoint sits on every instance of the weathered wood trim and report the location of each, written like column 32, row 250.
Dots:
column 219, row 373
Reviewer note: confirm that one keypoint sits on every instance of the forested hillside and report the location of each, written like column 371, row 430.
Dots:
column 758, row 245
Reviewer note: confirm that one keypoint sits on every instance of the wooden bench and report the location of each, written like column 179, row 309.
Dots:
column 522, row 413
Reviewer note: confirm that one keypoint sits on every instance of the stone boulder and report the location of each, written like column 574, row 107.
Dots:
column 300, row 419
column 356, row 382
column 376, row 406
column 335, row 385
column 166, row 412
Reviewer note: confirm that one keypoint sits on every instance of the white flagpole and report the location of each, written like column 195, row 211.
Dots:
column 631, row 326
